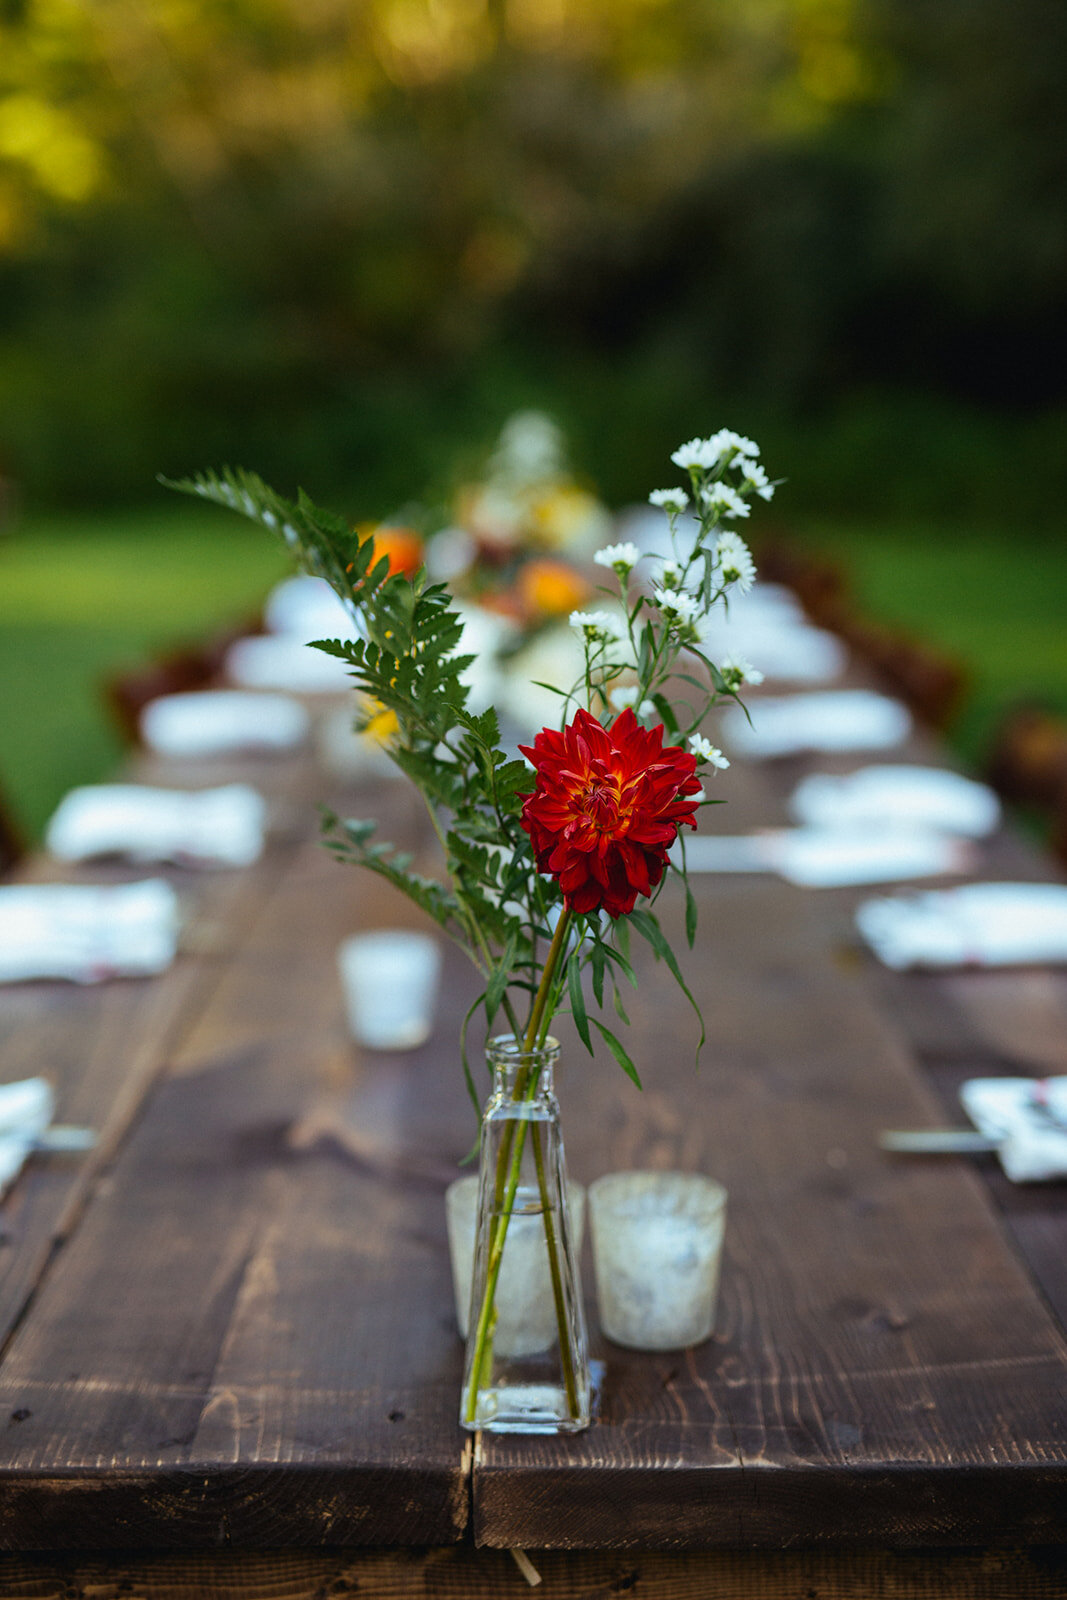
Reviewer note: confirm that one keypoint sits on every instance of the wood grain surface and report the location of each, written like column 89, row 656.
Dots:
column 459, row 1573
column 232, row 1327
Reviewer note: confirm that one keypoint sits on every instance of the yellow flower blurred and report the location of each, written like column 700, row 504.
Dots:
column 567, row 518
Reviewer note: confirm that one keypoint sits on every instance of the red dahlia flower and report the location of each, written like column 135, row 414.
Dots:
column 606, row 809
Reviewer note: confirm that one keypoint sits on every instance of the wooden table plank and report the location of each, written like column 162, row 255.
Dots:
column 226, row 1350
column 102, row 1046
column 883, row 1367
column 460, row 1573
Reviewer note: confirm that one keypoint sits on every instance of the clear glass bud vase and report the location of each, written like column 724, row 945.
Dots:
column 527, row 1365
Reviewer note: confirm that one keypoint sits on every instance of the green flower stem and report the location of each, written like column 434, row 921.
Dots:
column 509, row 1165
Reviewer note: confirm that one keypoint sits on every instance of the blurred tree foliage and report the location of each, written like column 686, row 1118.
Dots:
column 334, row 239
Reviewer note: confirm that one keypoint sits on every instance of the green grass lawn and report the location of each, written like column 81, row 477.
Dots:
column 83, row 596
column 998, row 601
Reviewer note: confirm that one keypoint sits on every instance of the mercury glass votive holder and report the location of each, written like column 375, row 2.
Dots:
column 525, row 1308
column 657, row 1250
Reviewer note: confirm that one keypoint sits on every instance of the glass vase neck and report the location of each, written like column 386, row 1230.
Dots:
column 519, row 1072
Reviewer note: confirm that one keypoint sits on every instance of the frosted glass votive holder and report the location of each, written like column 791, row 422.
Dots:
column 526, row 1310
column 390, row 987
column 657, row 1250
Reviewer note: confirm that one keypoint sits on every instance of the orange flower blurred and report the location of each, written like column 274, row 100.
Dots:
column 551, row 589
column 402, row 547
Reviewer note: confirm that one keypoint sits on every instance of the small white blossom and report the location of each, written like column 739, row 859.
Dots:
column 736, row 671
column 755, row 478
column 669, row 499
column 726, row 440
column 670, row 575
column 735, row 562
column 626, row 695
column 595, row 625
column 705, row 751
column 720, row 497
column 702, row 453
column 622, row 557
column 676, row 603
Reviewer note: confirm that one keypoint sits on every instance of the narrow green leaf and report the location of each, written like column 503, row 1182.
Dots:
column 467, row 1073
column 690, row 915
column 577, row 999
column 599, row 963
column 618, row 1052
column 498, row 982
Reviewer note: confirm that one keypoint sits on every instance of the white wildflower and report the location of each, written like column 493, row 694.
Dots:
column 736, row 565
column 727, row 440
column 670, row 575
column 670, row 499
column 720, row 497
column 626, row 695
column 706, row 752
column 755, row 478
column 736, row 671
column 595, row 626
column 702, row 453
column 676, row 604
column 622, row 557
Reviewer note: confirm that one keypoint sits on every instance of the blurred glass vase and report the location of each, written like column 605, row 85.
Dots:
column 527, row 1364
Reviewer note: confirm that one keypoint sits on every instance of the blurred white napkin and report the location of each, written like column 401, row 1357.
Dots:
column 834, row 719
column 1029, row 1117
column 206, row 827
column 285, row 661
column 768, row 627
column 218, row 721
column 307, row 608
column 980, row 924
column 26, row 1111
column 87, row 933
column 828, row 858
column 897, row 796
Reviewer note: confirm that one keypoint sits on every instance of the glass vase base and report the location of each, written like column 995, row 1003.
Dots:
column 527, row 1408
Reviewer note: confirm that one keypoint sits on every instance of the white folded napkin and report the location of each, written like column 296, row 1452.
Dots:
column 215, row 722
column 26, row 1109
column 284, row 661
column 1029, row 1117
column 207, row 827
column 87, row 933
column 897, row 796
column 980, row 924
column 774, row 636
column 834, row 719
column 307, row 608
column 828, row 858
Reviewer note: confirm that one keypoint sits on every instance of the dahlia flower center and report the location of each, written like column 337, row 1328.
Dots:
column 601, row 803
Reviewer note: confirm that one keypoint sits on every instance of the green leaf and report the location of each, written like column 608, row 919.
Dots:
column 618, row 1052
column 498, row 982
column 690, row 915
column 577, row 999
column 467, row 1073
column 666, row 711
column 598, row 961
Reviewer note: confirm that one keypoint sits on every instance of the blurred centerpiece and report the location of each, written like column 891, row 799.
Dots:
column 548, row 863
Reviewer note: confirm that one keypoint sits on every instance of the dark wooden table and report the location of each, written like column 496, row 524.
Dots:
column 229, row 1330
